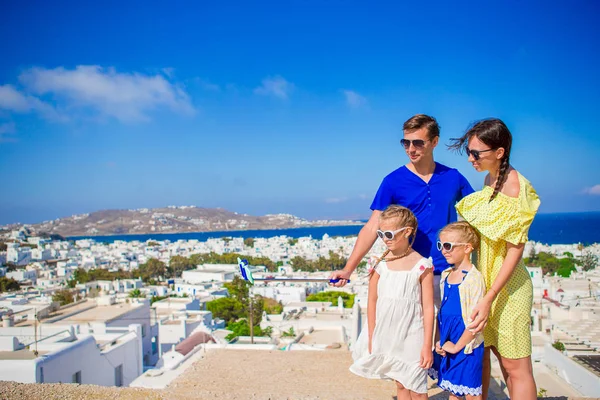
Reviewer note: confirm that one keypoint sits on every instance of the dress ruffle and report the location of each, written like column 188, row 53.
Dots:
column 460, row 390
column 380, row 366
column 506, row 218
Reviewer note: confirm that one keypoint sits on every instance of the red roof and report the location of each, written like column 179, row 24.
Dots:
column 187, row 345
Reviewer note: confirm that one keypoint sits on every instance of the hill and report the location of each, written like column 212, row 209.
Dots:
column 170, row 219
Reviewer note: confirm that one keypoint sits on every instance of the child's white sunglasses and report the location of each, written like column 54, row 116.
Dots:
column 389, row 235
column 448, row 246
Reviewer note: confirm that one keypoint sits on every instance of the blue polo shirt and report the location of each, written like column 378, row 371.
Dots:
column 432, row 203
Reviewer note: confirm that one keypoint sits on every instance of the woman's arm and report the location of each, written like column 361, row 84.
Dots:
column 480, row 313
column 372, row 306
column 427, row 302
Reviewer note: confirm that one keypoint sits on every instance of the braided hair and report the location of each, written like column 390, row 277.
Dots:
column 494, row 133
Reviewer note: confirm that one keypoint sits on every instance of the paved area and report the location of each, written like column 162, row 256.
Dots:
column 241, row 374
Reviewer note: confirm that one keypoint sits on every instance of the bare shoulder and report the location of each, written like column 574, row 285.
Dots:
column 512, row 186
column 414, row 257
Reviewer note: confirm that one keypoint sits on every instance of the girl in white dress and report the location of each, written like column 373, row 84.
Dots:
column 397, row 341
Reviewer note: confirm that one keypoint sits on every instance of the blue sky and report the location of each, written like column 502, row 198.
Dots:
column 296, row 107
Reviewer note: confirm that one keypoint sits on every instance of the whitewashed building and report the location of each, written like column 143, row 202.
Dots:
column 64, row 356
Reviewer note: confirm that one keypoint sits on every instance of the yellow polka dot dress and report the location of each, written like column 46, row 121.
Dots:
column 504, row 219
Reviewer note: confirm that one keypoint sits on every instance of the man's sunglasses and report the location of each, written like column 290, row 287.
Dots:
column 389, row 235
column 448, row 246
column 476, row 153
column 418, row 143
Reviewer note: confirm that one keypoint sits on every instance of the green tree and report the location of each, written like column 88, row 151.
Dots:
column 178, row 264
column 292, row 241
column 82, row 276
column 231, row 258
column 151, row 270
column 299, row 263
column 152, row 244
column 63, row 296
column 558, row 345
column 8, row 284
column 136, row 294
column 272, row 306
column 546, row 261
column 242, row 328
column 226, row 308
column 362, row 267
column 335, row 261
column 239, row 289
column 588, row 260
column 249, row 242
column 257, row 309
column 289, row 333
column 154, row 299
column 532, row 254
column 566, row 266
column 347, row 298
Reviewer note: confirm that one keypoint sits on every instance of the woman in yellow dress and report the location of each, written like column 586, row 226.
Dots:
column 502, row 213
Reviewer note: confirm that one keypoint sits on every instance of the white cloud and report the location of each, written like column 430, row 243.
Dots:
column 594, row 190
column 169, row 72
column 127, row 97
column 14, row 101
column 336, row 200
column 353, row 99
column 275, row 86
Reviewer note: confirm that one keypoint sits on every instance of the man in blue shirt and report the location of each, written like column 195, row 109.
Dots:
column 429, row 189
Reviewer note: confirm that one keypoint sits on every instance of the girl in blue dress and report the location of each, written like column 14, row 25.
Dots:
column 459, row 354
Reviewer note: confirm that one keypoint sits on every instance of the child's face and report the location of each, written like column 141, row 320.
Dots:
column 400, row 239
column 459, row 249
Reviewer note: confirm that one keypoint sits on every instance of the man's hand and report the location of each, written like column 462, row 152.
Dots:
column 342, row 275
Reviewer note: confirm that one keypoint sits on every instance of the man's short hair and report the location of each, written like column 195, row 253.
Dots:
column 420, row 121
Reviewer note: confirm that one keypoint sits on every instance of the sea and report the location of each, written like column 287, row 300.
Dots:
column 563, row 228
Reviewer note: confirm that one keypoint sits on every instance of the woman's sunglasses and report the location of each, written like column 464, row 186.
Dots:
column 448, row 246
column 476, row 153
column 389, row 235
column 418, row 143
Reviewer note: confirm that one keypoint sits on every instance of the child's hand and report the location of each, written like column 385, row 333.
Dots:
column 449, row 347
column 439, row 350
column 426, row 357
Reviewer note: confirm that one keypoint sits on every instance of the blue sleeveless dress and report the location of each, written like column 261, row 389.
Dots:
column 458, row 373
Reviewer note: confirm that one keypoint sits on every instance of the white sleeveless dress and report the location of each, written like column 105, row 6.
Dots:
column 399, row 334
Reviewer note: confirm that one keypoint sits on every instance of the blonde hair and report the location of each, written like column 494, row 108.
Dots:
column 405, row 218
column 467, row 233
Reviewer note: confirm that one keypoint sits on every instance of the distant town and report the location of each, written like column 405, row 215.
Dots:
column 139, row 314
column 171, row 219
